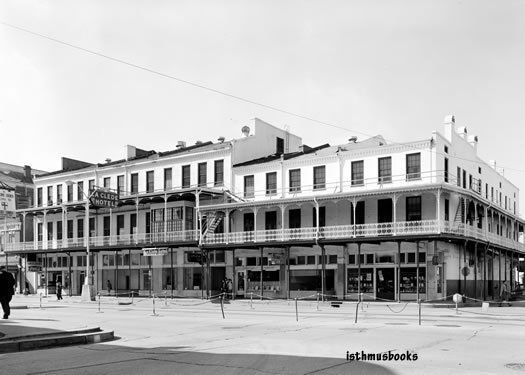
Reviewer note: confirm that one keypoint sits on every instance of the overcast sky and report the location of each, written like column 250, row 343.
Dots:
column 394, row 68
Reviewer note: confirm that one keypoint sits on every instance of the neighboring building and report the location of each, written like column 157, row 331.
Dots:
column 422, row 219
column 16, row 191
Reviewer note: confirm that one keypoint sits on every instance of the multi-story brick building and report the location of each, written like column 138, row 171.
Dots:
column 421, row 219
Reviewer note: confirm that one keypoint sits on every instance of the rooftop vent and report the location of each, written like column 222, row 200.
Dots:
column 198, row 142
column 108, row 160
column 352, row 139
column 245, row 131
column 221, row 139
column 181, row 144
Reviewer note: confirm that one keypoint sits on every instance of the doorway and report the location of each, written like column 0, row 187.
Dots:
column 385, row 283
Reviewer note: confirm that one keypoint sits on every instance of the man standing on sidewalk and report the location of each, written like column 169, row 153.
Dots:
column 7, row 289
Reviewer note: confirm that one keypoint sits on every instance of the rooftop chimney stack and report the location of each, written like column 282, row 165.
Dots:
column 27, row 172
column 450, row 126
column 473, row 140
column 462, row 132
column 492, row 163
column 181, row 144
column 245, row 131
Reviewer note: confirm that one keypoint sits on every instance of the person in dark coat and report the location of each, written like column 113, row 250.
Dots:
column 7, row 289
column 59, row 291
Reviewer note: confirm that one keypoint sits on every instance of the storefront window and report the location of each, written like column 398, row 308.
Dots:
column 409, row 280
column 192, row 278
column 367, row 280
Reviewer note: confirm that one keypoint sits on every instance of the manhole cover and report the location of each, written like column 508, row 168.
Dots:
column 397, row 324
column 516, row 366
column 447, row 325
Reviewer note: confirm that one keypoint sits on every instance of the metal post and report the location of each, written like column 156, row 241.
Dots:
column 153, row 299
column 323, row 272
column 356, row 310
column 358, row 269
column 98, row 294
column 40, row 300
column 262, row 272
column 171, row 273
column 116, row 273
column 222, row 305
column 234, row 276
column 251, row 300
column 485, row 273
column 417, row 270
column 288, row 273
column 398, row 286
column 150, row 275
column 475, row 270
column 296, row 311
column 317, row 301
column 419, row 303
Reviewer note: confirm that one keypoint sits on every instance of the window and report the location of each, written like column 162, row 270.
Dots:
column 413, row 208
column 310, row 259
column 59, row 194
column 39, row 231
column 120, row 184
column 133, row 224
column 492, row 193
column 479, row 183
column 107, row 226
column 322, row 216
column 80, row 190
column 301, row 259
column 464, row 179
column 446, row 149
column 134, row 183
column 369, row 258
column 294, row 218
column 270, row 220
column 385, row 170
column 39, row 197
column 218, row 173
column 186, row 176
column 150, row 181
column 92, row 231
column 486, row 191
column 201, row 167
column 80, row 228
column 413, row 166
column 271, row 183
column 91, row 186
column 248, row 186
column 107, row 182
column 359, row 213
column 59, row 230
column 50, row 231
column 120, row 225
column 50, row 195
column 351, row 258
column 70, row 230
column 447, row 210
column 446, row 170
column 69, row 193
column 279, row 145
column 479, row 170
column 319, row 177
column 459, row 176
column 384, row 210
column 470, row 186
column 358, row 173
column 295, row 180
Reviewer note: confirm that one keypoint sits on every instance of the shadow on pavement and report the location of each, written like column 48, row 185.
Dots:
column 15, row 328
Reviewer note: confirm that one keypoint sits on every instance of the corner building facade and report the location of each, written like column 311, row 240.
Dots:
column 418, row 220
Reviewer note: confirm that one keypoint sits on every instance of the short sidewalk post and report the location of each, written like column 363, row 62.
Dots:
column 356, row 311
column 98, row 294
column 132, row 295
column 40, row 300
column 419, row 303
column 222, row 305
column 317, row 301
column 251, row 300
column 296, row 311
column 153, row 295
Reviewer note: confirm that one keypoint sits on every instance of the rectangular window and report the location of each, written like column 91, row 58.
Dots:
column 69, row 193
column 218, row 174
column 446, row 149
column 270, row 220
column 39, row 197
column 413, row 166
column 322, row 216
column 39, row 231
column 167, row 179
column 80, row 190
column 295, row 180
column 186, row 182
column 120, row 185
column 470, row 185
column 445, row 173
column 134, row 183
column 310, row 259
column 50, row 195
column 319, row 177
column 486, row 191
column 80, row 228
column 248, row 186
column 92, row 231
column 279, row 146
column 459, row 176
column 385, row 170
column 202, row 171
column 91, row 186
column 148, row 222
column 358, row 173
column 120, row 225
column 59, row 230
column 351, row 258
column 464, row 179
column 294, row 218
column 271, row 183
column 301, row 259
column 106, row 226
column 70, row 230
column 107, row 182
column 150, row 181
column 133, row 224
column 492, row 193
column 59, row 194
column 50, row 231
column 413, row 208
column 447, row 210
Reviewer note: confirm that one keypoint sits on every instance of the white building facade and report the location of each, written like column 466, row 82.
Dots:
column 418, row 220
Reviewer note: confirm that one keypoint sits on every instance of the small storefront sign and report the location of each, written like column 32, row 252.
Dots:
column 104, row 198
column 13, row 226
column 154, row 251
column 7, row 202
column 34, row 268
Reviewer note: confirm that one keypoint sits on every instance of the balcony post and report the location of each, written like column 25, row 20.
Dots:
column 288, row 271
column 438, row 210
column 354, row 203
column 485, row 272
column 505, row 266
column 283, row 208
column 417, row 270
column 165, row 217
column 398, row 269
column 110, row 239
column 44, row 230
column 358, row 270
column 262, row 271
column 394, row 201
column 64, row 227
column 255, row 210
column 475, row 269
column 227, row 225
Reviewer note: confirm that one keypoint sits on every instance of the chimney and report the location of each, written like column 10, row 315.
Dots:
column 492, row 163
column 450, row 125
column 473, row 140
column 245, row 131
column 462, row 132
column 131, row 152
column 181, row 144
column 27, row 173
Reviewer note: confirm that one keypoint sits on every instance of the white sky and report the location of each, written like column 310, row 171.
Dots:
column 394, row 68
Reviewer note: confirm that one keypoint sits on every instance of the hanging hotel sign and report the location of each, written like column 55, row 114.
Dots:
column 154, row 251
column 7, row 202
column 104, row 198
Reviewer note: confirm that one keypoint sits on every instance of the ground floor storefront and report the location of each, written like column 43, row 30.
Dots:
column 390, row 270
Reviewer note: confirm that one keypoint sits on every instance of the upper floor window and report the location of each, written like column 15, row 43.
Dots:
column 413, row 166
column 446, row 149
column 279, row 148
column 80, row 190
column 150, row 181
column 358, row 173
column 91, row 186
column 218, row 179
column 486, row 191
column 120, row 184
column 69, row 193
column 492, row 193
column 295, row 180
column 39, row 197
column 50, row 195
column 107, row 182
column 385, row 170
column 470, row 184
column 464, row 179
column 202, row 171
column 168, row 185
column 413, row 208
column 186, row 176
column 271, row 183
column 445, row 173
column 249, row 186
column 458, row 177
column 59, row 194
column 319, row 177
column 134, row 183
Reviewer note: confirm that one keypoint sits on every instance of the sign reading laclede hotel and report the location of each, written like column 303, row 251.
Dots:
column 7, row 201
column 154, row 251
column 104, row 198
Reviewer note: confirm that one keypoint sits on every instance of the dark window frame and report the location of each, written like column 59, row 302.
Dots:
column 384, row 170
column 357, row 173
column 271, row 183
column 249, row 191
column 413, row 166
column 319, row 173
column 294, row 180
column 202, row 174
column 218, row 172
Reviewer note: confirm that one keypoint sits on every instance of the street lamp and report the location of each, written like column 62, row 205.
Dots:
column 88, row 291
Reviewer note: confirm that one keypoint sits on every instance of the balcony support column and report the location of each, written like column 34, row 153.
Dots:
column 116, row 274
column 64, row 228
column 464, row 266
column 417, row 270
column 111, row 227
column 354, row 203
column 358, row 269
column 262, row 272
column 69, row 272
column 398, row 270
column 165, row 217
column 233, row 274
column 283, row 208
column 438, row 210
column 323, row 272
column 288, row 271
column 476, row 269
column 137, row 215
column 394, row 203
column 255, row 211
column 24, row 214
column 44, row 230
column 492, row 268
column 227, row 226
column 499, row 270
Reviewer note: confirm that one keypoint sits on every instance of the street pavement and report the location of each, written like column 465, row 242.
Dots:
column 190, row 336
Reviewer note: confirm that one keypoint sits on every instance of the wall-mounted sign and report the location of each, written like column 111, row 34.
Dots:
column 34, row 269
column 154, row 251
column 10, row 226
column 104, row 198
column 196, row 258
column 7, row 202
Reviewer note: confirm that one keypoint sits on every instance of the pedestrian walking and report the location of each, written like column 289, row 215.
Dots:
column 59, row 291
column 7, row 289
column 109, row 287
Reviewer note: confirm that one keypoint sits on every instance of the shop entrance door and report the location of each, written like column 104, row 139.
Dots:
column 240, row 286
column 385, row 285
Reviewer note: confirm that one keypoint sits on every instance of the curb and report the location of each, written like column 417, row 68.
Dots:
column 55, row 339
